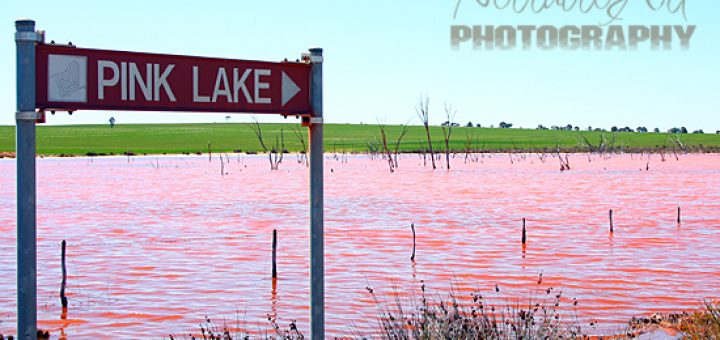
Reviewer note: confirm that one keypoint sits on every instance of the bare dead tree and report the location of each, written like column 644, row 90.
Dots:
column 564, row 163
column 585, row 142
column 468, row 145
column 476, row 150
column 303, row 146
column 447, row 131
column 272, row 153
column 662, row 154
column 612, row 142
column 403, row 132
column 373, row 148
column 602, row 144
column 542, row 156
column 422, row 150
column 383, row 139
column 511, row 153
column 278, row 151
column 590, row 148
column 423, row 112
column 222, row 165
column 255, row 126
column 677, row 142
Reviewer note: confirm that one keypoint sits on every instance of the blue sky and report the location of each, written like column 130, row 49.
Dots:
column 380, row 56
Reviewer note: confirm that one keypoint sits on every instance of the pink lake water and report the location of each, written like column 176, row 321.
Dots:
column 157, row 243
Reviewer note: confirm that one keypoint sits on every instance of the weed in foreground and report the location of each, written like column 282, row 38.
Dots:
column 212, row 331
column 41, row 335
column 546, row 315
column 704, row 324
column 701, row 324
column 539, row 318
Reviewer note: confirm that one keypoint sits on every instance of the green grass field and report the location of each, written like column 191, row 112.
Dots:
column 228, row 137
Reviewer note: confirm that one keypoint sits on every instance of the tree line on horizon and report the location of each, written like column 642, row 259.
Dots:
column 570, row 127
column 422, row 112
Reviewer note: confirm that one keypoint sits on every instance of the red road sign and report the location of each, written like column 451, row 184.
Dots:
column 71, row 78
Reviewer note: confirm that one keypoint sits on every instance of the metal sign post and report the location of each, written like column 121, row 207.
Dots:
column 66, row 78
column 25, row 118
column 317, row 262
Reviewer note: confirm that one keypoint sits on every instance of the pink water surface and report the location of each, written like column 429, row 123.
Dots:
column 157, row 243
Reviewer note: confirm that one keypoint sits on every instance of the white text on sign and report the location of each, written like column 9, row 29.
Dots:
column 153, row 82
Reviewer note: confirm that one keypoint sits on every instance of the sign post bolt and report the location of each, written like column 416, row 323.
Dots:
column 25, row 118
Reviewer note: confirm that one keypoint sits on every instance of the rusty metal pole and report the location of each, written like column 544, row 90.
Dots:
column 317, row 261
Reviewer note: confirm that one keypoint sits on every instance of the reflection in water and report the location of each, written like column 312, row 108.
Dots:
column 414, row 270
column 160, row 242
column 273, row 301
column 63, row 316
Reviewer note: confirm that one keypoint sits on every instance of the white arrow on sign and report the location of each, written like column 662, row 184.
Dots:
column 289, row 89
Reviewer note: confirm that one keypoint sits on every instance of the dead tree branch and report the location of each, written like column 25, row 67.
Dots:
column 303, row 145
column 447, row 131
column 423, row 112
column 383, row 138
column 403, row 132
column 273, row 156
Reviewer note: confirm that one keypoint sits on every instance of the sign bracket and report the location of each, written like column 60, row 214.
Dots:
column 37, row 36
column 30, row 115
column 307, row 121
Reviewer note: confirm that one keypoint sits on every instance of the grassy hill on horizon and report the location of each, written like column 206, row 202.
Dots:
column 358, row 138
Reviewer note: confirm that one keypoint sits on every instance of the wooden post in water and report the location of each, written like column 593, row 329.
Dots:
column 412, row 227
column 678, row 219
column 611, row 222
column 524, row 236
column 63, row 298
column 274, row 254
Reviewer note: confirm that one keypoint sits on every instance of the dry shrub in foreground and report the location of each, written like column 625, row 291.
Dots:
column 538, row 318
column 701, row 324
column 481, row 317
column 211, row 331
column 704, row 324
column 41, row 335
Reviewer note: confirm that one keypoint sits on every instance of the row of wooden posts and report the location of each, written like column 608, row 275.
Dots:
column 412, row 228
column 63, row 285
column 524, row 232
